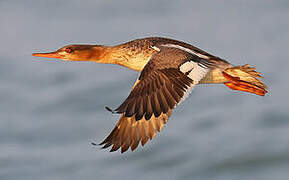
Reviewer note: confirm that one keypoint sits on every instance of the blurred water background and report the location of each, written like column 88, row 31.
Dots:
column 50, row 111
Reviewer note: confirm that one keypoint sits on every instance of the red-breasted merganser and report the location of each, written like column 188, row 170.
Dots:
column 169, row 69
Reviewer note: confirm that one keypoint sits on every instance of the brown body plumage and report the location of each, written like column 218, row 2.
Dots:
column 169, row 69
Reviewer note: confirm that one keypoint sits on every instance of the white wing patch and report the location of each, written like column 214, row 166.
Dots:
column 187, row 66
column 186, row 49
column 155, row 48
column 194, row 71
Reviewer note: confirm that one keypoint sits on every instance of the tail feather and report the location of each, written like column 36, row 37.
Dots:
column 245, row 78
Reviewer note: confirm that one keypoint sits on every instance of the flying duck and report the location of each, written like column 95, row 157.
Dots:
column 169, row 69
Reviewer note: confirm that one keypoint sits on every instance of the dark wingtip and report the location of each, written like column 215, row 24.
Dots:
column 113, row 149
column 99, row 144
column 94, row 144
column 110, row 110
column 104, row 145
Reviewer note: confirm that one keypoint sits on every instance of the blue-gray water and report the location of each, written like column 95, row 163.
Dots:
column 51, row 110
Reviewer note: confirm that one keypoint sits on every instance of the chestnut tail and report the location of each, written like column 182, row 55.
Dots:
column 245, row 78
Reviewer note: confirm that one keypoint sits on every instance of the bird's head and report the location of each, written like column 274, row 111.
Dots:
column 76, row 52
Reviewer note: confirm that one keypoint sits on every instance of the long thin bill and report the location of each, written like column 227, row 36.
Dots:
column 48, row 55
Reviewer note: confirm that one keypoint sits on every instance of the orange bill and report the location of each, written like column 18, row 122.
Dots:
column 49, row 55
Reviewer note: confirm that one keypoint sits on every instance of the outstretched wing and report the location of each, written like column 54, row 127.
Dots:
column 158, row 90
column 129, row 132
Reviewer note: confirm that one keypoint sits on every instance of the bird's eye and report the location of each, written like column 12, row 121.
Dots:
column 68, row 50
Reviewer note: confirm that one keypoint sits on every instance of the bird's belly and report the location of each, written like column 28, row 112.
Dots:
column 214, row 76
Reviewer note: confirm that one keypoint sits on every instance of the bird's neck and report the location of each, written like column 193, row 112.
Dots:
column 121, row 56
column 104, row 54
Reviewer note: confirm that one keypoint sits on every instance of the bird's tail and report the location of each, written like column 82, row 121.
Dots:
column 245, row 78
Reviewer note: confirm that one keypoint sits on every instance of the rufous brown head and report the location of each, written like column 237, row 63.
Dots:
column 76, row 52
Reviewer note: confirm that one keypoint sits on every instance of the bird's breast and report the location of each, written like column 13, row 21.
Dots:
column 133, row 58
